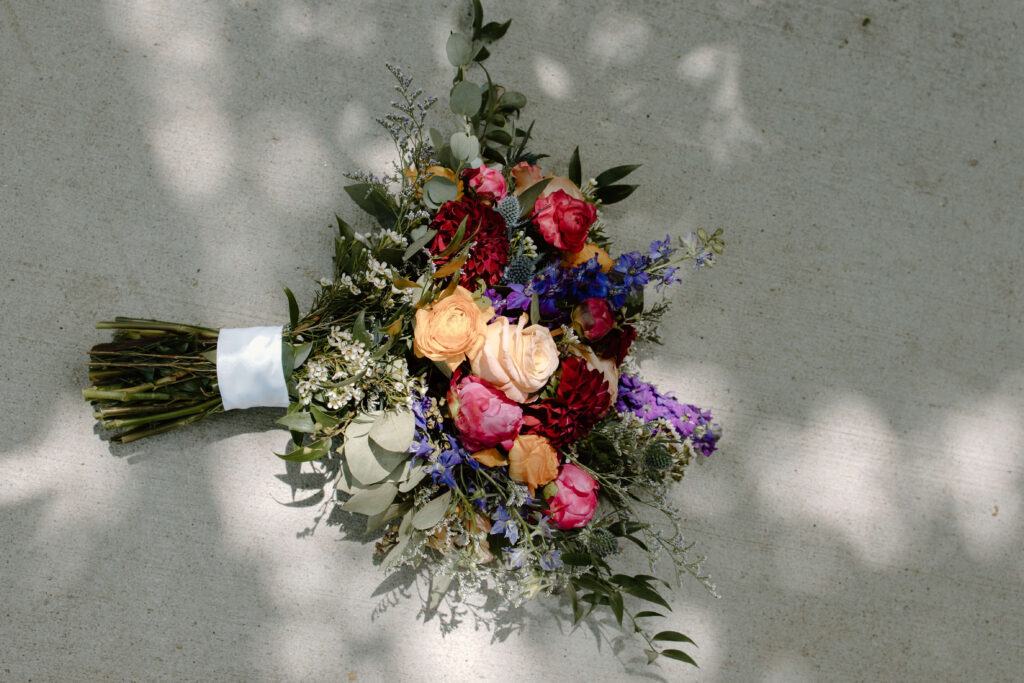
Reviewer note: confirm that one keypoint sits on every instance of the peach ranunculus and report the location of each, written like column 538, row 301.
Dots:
column 589, row 251
column 516, row 359
column 526, row 175
column 532, row 461
column 452, row 330
column 491, row 457
column 432, row 171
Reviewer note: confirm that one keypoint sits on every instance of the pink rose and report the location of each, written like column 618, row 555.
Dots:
column 593, row 318
column 488, row 183
column 484, row 416
column 573, row 505
column 564, row 221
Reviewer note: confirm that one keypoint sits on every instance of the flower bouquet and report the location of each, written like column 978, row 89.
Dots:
column 464, row 377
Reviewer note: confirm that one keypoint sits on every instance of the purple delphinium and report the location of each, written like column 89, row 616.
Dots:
column 689, row 422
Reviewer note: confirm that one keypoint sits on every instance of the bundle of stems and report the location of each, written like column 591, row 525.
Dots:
column 153, row 377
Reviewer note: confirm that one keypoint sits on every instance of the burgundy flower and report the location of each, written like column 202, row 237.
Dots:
column 486, row 227
column 616, row 343
column 578, row 404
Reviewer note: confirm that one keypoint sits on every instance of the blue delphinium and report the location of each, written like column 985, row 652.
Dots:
column 504, row 524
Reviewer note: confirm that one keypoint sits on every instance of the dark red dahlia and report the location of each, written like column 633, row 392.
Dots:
column 485, row 226
column 616, row 343
column 578, row 404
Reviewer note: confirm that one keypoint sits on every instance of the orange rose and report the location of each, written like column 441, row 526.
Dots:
column 532, row 461
column 452, row 330
column 526, row 175
column 589, row 251
column 490, row 457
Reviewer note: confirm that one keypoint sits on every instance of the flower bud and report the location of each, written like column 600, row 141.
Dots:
column 593, row 318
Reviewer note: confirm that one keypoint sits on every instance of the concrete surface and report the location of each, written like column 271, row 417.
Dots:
column 861, row 341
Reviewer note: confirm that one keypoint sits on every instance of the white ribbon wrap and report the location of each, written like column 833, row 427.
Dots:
column 249, row 369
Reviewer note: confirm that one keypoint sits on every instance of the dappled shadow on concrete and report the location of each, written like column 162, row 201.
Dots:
column 859, row 343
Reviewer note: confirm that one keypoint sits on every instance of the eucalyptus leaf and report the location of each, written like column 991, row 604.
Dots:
column 406, row 535
column 368, row 462
column 394, row 430
column 412, row 478
column 300, row 354
column 346, row 482
column 418, row 243
column 394, row 511
column 433, row 512
column 458, row 49
column 298, row 422
column 372, row 500
column 465, row 98
column 438, row 190
column 464, row 146
column 439, row 583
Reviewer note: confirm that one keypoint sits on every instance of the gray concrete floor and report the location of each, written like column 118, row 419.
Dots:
column 861, row 341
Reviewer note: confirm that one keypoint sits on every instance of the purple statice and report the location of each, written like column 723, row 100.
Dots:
column 688, row 421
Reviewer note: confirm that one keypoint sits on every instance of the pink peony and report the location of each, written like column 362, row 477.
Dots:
column 484, row 416
column 488, row 183
column 593, row 318
column 564, row 221
column 573, row 505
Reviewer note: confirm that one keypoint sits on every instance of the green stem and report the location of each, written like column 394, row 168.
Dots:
column 99, row 395
column 129, row 423
column 128, row 437
column 143, row 324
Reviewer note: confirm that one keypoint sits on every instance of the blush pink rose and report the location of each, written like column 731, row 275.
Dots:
column 593, row 318
column 573, row 505
column 563, row 221
column 488, row 183
column 484, row 416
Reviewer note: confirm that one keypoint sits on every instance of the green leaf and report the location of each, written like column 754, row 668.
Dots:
column 493, row 31
column 313, row 451
column 499, row 136
column 370, row 199
column 456, row 242
column 323, row 419
column 372, row 500
column 359, row 332
column 344, row 229
column 673, row 636
column 481, row 54
column 436, row 138
column 417, row 244
column 615, row 602
column 298, row 422
column 529, row 196
column 576, row 559
column 439, row 583
column 394, row 511
column 433, row 512
column 513, row 100
column 394, row 430
column 439, row 190
column 611, row 194
column 640, row 615
column 613, row 174
column 680, row 655
column 293, row 308
column 577, row 609
column 590, row 583
column 575, row 170
column 300, row 352
column 458, row 50
column 535, row 309
column 646, row 593
column 478, row 18
column 637, row 541
column 465, row 98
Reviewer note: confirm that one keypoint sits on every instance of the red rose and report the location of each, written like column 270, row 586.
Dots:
column 486, row 227
column 579, row 402
column 564, row 221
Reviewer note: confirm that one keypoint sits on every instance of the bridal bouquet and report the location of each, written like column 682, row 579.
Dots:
column 465, row 377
